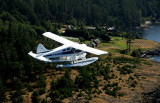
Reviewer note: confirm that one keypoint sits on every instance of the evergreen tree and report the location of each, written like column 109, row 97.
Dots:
column 2, row 91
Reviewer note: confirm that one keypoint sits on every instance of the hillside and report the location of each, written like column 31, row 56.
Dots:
column 114, row 78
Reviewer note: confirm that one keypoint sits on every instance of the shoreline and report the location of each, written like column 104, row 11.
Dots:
column 151, row 53
column 148, row 24
column 154, row 95
column 154, row 51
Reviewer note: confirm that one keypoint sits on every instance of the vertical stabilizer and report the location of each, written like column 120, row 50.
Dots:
column 41, row 49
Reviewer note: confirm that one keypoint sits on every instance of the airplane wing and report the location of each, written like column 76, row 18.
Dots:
column 57, row 38
column 82, row 47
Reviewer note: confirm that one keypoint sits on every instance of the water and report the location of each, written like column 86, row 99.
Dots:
column 156, row 58
column 153, row 34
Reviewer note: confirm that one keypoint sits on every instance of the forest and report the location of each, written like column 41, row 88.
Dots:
column 22, row 23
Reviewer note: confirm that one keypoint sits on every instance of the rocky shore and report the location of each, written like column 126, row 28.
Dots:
column 150, row 53
column 152, row 97
column 146, row 25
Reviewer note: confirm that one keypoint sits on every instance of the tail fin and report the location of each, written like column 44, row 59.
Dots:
column 41, row 49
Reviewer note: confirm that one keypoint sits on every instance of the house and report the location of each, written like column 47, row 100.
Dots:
column 94, row 43
column 71, row 27
column 111, row 28
column 90, row 28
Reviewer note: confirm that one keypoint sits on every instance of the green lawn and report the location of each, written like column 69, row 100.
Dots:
column 116, row 45
column 118, row 42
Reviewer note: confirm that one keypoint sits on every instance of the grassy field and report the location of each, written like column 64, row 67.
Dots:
column 118, row 44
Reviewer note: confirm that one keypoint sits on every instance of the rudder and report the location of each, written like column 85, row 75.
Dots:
column 41, row 49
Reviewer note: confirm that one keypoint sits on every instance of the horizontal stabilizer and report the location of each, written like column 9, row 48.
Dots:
column 40, row 58
column 32, row 54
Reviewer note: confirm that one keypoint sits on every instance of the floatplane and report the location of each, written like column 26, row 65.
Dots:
column 70, row 51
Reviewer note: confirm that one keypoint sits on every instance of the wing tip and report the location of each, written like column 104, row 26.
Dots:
column 104, row 52
column 45, row 33
column 49, row 34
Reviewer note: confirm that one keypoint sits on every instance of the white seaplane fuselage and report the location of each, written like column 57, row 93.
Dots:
column 64, row 54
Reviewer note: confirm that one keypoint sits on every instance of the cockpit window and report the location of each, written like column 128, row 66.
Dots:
column 73, row 50
column 68, row 48
column 64, row 49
